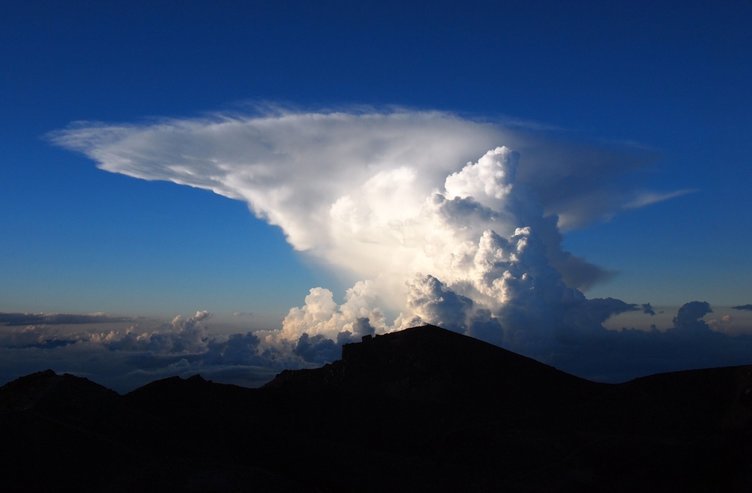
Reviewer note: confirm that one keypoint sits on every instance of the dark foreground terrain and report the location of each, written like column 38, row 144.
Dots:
column 424, row 409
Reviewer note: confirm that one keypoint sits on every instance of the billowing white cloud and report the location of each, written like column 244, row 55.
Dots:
column 291, row 167
column 339, row 183
column 322, row 316
column 436, row 215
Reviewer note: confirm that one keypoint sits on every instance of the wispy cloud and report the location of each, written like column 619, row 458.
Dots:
column 58, row 318
column 644, row 199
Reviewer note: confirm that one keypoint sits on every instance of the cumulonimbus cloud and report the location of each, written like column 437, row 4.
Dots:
column 442, row 219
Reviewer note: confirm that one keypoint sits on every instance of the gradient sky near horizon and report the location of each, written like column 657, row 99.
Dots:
column 669, row 78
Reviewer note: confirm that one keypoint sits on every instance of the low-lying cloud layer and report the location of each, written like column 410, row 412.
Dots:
column 440, row 219
column 58, row 318
column 127, row 357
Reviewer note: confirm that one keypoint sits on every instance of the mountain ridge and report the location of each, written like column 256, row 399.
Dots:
column 424, row 409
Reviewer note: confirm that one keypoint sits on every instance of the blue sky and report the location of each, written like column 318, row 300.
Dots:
column 669, row 78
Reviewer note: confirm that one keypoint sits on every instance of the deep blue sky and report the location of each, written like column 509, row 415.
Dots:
column 671, row 76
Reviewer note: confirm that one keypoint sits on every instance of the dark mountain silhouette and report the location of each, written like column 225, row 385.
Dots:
column 424, row 409
column 60, row 394
column 431, row 364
